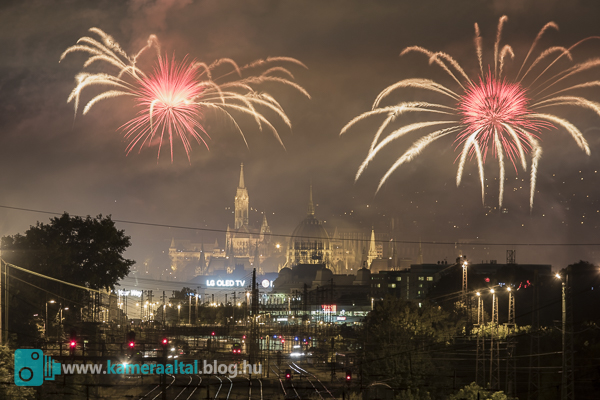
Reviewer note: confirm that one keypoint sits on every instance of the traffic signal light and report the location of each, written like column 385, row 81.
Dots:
column 131, row 340
column 213, row 333
column 164, row 342
column 348, row 375
column 73, row 341
column 288, row 374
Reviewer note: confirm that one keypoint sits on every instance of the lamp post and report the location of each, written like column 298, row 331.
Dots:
column 46, row 324
column 479, row 319
column 178, row 314
column 564, row 390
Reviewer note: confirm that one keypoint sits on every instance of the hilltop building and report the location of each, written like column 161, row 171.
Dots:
column 245, row 246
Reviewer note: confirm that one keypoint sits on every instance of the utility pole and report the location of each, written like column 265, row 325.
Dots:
column 1, row 331
column 511, row 374
column 534, row 348
column 6, row 304
column 464, row 281
column 234, row 306
column 495, row 346
column 142, row 306
column 567, row 392
column 164, row 308
column 196, row 315
column 480, row 356
column 190, row 308
column 511, row 308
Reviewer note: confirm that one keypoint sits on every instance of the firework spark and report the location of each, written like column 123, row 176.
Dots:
column 491, row 114
column 175, row 98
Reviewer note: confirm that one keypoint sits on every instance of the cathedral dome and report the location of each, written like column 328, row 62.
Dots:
column 310, row 231
column 309, row 243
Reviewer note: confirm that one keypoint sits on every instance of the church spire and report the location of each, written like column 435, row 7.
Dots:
column 311, row 207
column 372, row 249
column 241, row 202
column 241, row 185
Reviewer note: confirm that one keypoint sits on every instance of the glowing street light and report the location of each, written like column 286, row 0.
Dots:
column 46, row 325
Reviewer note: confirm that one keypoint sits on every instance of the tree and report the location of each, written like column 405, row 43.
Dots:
column 84, row 251
column 8, row 390
column 401, row 339
column 476, row 392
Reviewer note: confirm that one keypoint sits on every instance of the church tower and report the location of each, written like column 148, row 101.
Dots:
column 241, row 202
column 372, row 249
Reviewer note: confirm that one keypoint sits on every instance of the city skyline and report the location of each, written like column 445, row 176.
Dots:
column 55, row 163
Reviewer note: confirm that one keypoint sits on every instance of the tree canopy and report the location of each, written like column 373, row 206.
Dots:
column 400, row 340
column 84, row 251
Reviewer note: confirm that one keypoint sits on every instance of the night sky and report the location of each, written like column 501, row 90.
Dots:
column 51, row 162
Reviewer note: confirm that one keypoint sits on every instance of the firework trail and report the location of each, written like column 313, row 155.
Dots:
column 491, row 113
column 174, row 98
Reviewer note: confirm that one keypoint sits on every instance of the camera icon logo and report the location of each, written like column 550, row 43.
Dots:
column 32, row 367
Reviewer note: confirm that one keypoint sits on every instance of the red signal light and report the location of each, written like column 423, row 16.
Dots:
column 73, row 344
column 213, row 334
column 131, row 345
column 165, row 341
column 244, row 337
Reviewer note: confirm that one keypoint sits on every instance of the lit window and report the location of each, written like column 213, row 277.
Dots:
column 379, row 285
column 421, row 278
column 430, row 278
column 398, row 278
column 420, row 285
column 392, row 285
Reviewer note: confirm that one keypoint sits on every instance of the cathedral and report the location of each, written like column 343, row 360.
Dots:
column 342, row 251
column 245, row 246
column 245, row 242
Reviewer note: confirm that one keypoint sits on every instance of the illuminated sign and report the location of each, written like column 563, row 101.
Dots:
column 265, row 283
column 329, row 308
column 341, row 318
column 282, row 319
column 135, row 293
column 225, row 283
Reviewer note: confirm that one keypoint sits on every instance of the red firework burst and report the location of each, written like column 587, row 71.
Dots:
column 174, row 98
column 494, row 107
column 169, row 101
column 494, row 112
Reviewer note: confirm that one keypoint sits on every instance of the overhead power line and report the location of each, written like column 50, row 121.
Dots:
column 49, row 277
column 427, row 242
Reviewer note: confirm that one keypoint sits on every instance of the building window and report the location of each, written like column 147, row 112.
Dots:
column 421, row 278
column 379, row 285
column 420, row 285
column 392, row 285
column 430, row 278
column 398, row 278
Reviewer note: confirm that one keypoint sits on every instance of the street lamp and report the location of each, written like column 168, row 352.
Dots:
column 479, row 313
column 46, row 324
column 178, row 313
column 565, row 375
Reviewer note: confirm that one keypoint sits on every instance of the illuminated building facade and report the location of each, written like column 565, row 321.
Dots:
column 245, row 246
